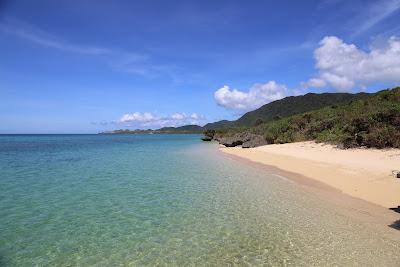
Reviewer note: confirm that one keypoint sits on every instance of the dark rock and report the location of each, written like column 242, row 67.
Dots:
column 246, row 145
column 254, row 141
column 231, row 141
column 206, row 138
column 246, row 140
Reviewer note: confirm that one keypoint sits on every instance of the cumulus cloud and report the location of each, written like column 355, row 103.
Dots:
column 339, row 65
column 195, row 116
column 149, row 119
column 345, row 66
column 316, row 83
column 258, row 95
column 178, row 116
column 145, row 117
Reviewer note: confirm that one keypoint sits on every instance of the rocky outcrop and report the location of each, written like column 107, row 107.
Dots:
column 206, row 138
column 254, row 141
column 246, row 140
column 231, row 141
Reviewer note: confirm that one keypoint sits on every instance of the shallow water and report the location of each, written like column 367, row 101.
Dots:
column 146, row 200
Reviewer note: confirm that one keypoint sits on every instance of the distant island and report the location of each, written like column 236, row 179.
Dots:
column 280, row 108
column 186, row 129
column 344, row 119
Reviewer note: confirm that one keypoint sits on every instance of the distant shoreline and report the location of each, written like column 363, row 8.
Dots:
column 146, row 133
column 93, row 133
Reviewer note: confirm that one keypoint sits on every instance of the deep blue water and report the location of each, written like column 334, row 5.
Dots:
column 146, row 200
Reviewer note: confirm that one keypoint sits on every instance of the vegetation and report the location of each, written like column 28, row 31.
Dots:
column 224, row 124
column 371, row 121
column 209, row 133
column 348, row 120
column 181, row 129
column 286, row 107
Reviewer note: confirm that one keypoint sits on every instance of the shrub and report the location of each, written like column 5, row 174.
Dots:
column 259, row 121
column 382, row 136
column 373, row 121
column 209, row 133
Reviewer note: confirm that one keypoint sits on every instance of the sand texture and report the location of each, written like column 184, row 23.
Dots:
column 361, row 173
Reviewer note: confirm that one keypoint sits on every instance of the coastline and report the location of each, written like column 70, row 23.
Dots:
column 359, row 173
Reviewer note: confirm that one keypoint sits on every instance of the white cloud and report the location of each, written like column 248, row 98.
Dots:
column 340, row 65
column 315, row 83
column 258, row 95
column 345, row 66
column 149, row 119
column 178, row 116
column 145, row 117
column 195, row 116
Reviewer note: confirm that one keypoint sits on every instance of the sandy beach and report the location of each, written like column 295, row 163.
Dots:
column 361, row 173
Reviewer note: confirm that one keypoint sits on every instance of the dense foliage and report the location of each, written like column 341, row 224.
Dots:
column 349, row 120
column 372, row 121
column 224, row 124
column 209, row 133
column 286, row 107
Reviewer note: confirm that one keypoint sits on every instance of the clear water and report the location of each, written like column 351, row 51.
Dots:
column 164, row 200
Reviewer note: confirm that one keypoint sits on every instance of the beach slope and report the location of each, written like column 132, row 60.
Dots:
column 360, row 173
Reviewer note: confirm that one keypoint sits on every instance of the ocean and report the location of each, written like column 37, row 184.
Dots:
column 165, row 200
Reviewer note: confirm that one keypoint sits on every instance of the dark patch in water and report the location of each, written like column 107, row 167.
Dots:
column 71, row 159
column 3, row 261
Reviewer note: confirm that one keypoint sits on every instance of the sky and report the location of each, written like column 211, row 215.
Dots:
column 90, row 66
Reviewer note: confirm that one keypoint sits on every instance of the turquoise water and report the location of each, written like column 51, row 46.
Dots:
column 164, row 200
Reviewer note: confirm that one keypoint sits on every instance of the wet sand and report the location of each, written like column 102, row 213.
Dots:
column 358, row 181
column 360, row 173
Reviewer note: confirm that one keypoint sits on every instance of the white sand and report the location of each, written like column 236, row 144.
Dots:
column 361, row 173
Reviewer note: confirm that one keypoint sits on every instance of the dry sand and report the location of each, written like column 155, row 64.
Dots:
column 360, row 173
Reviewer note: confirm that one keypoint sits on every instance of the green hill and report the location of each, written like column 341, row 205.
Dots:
column 219, row 125
column 295, row 105
column 286, row 107
column 181, row 129
column 372, row 121
column 349, row 120
column 186, row 129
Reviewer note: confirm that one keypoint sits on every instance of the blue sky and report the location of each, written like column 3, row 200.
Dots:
column 89, row 66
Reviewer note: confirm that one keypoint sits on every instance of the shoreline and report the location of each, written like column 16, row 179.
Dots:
column 355, row 184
